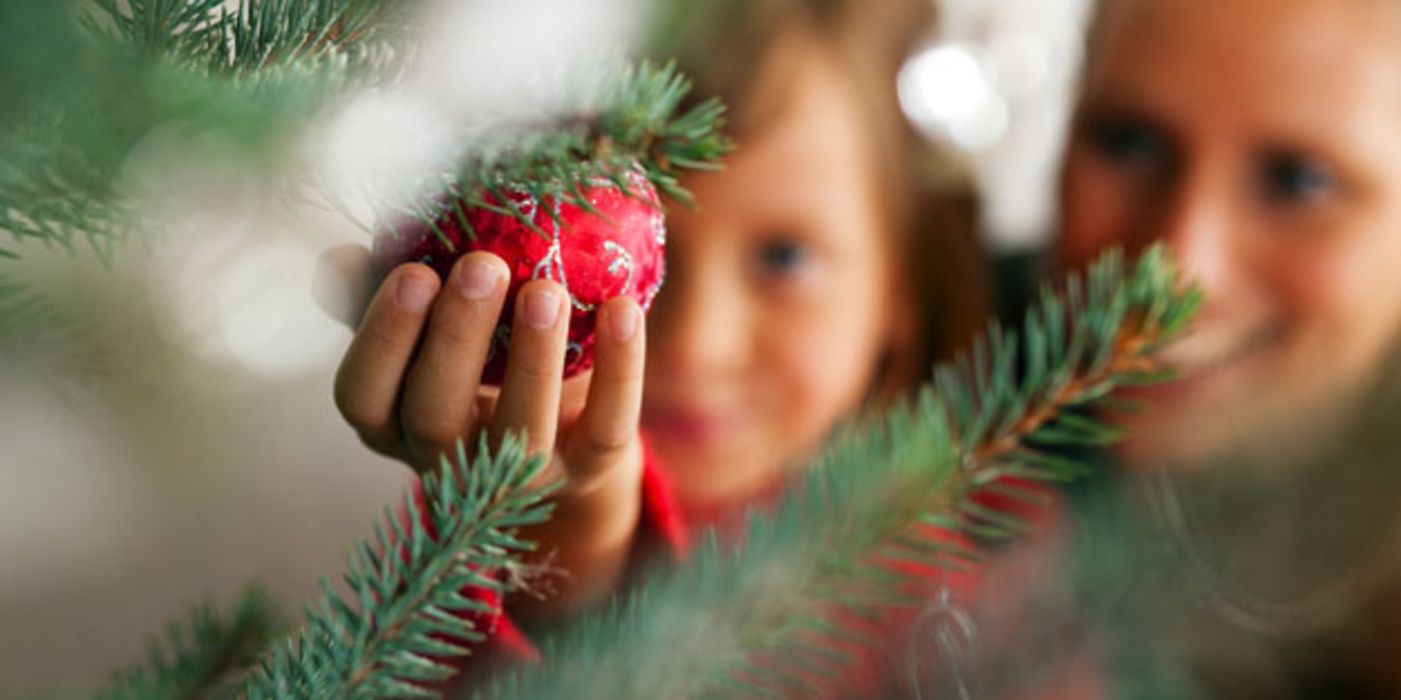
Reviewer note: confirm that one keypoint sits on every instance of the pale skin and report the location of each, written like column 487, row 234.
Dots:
column 777, row 310
column 1258, row 139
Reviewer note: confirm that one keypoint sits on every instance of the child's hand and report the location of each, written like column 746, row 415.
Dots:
column 409, row 386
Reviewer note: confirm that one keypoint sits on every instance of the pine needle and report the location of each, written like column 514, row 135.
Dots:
column 200, row 655
column 406, row 616
column 634, row 123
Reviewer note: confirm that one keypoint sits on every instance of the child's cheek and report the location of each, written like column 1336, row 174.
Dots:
column 824, row 352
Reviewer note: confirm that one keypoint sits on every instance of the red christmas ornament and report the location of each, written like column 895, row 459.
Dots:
column 615, row 250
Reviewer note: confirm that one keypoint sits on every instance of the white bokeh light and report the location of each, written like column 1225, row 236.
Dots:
column 946, row 93
column 998, row 80
column 1020, row 63
column 264, row 317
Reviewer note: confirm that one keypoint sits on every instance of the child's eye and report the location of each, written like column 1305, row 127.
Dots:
column 1291, row 178
column 1132, row 143
column 781, row 257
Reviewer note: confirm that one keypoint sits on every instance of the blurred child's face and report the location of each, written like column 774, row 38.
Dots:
column 1261, row 140
column 777, row 305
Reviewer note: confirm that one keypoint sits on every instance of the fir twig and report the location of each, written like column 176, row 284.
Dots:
column 407, row 612
column 200, row 655
column 264, row 33
column 251, row 35
column 246, row 71
column 873, row 508
column 634, row 123
column 116, row 71
column 35, row 334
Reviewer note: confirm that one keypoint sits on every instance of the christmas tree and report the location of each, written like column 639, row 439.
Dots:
column 254, row 70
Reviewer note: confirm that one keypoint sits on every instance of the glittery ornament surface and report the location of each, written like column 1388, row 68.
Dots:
column 615, row 250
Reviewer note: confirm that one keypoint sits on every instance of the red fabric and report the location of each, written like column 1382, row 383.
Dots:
column 661, row 512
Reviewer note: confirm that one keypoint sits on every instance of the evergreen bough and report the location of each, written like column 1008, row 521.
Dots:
column 758, row 620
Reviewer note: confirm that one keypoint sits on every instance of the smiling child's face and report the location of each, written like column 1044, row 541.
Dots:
column 1261, row 140
column 778, row 302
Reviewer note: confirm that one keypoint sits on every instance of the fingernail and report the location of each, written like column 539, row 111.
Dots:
column 477, row 279
column 623, row 319
column 414, row 293
column 541, row 308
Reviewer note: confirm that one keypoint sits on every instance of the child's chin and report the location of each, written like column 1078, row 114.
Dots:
column 689, row 458
column 724, row 474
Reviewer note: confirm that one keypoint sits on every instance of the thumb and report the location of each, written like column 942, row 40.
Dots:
column 343, row 283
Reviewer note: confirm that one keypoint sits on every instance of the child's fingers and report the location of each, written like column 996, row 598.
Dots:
column 606, row 431
column 439, row 404
column 370, row 375
column 531, row 391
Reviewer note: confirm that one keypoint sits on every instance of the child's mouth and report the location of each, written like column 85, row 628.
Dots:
column 688, row 425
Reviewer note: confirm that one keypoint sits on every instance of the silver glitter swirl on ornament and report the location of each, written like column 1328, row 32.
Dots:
column 622, row 261
column 552, row 265
column 659, row 226
column 652, row 292
column 531, row 206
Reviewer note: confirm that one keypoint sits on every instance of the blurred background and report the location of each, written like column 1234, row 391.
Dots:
column 196, row 449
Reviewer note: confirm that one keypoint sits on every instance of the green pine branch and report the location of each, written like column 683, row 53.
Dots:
column 252, row 35
column 248, row 72
column 758, row 622
column 635, row 123
column 263, row 33
column 406, row 613
column 36, row 334
column 93, row 81
column 155, row 27
column 200, row 655
column 53, row 192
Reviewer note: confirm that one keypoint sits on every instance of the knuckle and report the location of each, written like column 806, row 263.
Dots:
column 538, row 370
column 536, row 362
column 433, row 429
column 383, row 330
